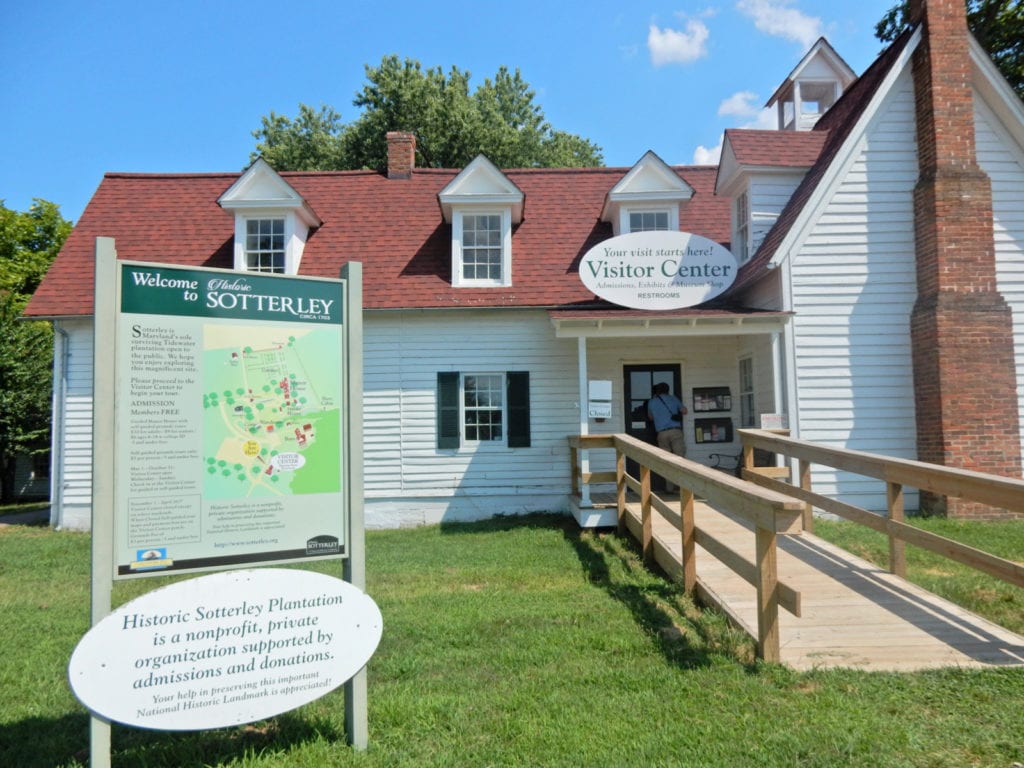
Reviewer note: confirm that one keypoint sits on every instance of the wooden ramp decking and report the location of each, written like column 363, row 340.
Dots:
column 854, row 614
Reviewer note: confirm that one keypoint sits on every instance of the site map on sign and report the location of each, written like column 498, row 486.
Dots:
column 271, row 411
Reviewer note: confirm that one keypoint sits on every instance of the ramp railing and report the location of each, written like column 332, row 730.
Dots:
column 768, row 511
column 1003, row 493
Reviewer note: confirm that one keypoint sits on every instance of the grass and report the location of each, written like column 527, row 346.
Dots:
column 514, row 642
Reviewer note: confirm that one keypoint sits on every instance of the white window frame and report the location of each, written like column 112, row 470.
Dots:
column 627, row 210
column 499, row 377
column 458, row 274
column 290, row 240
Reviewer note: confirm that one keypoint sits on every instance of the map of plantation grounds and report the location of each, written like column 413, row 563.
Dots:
column 232, row 440
column 270, row 412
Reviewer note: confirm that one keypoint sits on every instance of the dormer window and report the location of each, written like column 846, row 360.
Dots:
column 647, row 198
column 482, row 205
column 265, row 245
column 485, row 245
column 272, row 221
column 649, row 221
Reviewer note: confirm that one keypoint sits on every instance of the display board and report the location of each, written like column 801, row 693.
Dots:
column 229, row 402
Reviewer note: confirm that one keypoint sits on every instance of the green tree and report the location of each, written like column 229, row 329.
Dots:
column 452, row 124
column 29, row 241
column 310, row 142
column 998, row 25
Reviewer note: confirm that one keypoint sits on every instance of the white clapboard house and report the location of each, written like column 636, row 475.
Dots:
column 878, row 305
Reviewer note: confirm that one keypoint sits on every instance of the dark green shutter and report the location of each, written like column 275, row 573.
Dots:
column 448, row 409
column 518, row 385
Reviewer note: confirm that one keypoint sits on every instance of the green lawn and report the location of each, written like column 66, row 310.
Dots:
column 515, row 642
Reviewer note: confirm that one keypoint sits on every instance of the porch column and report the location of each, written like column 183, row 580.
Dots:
column 778, row 398
column 581, row 366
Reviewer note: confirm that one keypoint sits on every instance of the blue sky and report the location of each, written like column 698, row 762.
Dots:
column 112, row 85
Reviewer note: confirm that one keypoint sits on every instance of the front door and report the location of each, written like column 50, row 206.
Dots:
column 638, row 385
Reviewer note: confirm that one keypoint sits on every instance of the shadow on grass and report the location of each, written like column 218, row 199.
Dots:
column 499, row 523
column 682, row 633
column 47, row 742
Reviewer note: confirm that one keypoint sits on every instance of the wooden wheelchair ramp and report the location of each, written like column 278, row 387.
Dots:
column 853, row 613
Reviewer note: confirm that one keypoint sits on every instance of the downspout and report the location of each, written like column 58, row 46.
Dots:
column 60, row 390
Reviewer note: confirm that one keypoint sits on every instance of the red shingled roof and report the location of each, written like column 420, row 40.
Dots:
column 787, row 149
column 393, row 226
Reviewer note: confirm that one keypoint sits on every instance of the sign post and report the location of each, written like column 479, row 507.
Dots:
column 227, row 434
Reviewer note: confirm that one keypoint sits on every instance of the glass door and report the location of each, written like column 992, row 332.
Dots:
column 637, row 387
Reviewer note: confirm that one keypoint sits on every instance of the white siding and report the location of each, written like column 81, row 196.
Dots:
column 1003, row 160
column 408, row 479
column 72, row 449
column 767, row 197
column 853, row 290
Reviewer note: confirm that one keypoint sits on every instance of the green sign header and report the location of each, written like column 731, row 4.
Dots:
column 146, row 289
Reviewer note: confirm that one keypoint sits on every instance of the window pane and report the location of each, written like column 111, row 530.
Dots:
column 483, row 411
column 648, row 221
column 482, row 248
column 264, row 245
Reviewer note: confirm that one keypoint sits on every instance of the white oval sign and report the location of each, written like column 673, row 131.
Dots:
column 225, row 649
column 658, row 270
column 288, row 462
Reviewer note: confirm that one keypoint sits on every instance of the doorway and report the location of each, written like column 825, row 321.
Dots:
column 637, row 387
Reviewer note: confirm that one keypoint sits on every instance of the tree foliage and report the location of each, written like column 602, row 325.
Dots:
column 451, row 122
column 998, row 25
column 29, row 241
column 310, row 142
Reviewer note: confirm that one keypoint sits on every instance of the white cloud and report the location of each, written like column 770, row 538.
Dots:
column 763, row 119
column 767, row 120
column 740, row 104
column 704, row 156
column 670, row 46
column 777, row 18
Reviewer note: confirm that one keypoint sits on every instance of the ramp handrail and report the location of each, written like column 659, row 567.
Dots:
column 769, row 512
column 994, row 490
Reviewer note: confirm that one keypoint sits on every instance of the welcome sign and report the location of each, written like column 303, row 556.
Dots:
column 658, row 270
column 230, row 438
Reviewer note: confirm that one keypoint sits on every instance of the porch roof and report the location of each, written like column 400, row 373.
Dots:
column 628, row 323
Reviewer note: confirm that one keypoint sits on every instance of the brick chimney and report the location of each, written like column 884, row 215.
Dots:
column 401, row 154
column 961, row 327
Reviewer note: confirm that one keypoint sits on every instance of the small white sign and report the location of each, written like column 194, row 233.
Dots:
column 225, row 649
column 774, row 421
column 658, row 270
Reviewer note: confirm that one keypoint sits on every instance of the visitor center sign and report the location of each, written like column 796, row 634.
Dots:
column 658, row 270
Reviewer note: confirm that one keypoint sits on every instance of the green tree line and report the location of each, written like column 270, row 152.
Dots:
column 29, row 241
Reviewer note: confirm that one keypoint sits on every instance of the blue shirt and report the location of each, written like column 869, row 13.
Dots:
column 661, row 409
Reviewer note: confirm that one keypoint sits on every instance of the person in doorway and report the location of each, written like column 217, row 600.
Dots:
column 666, row 411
